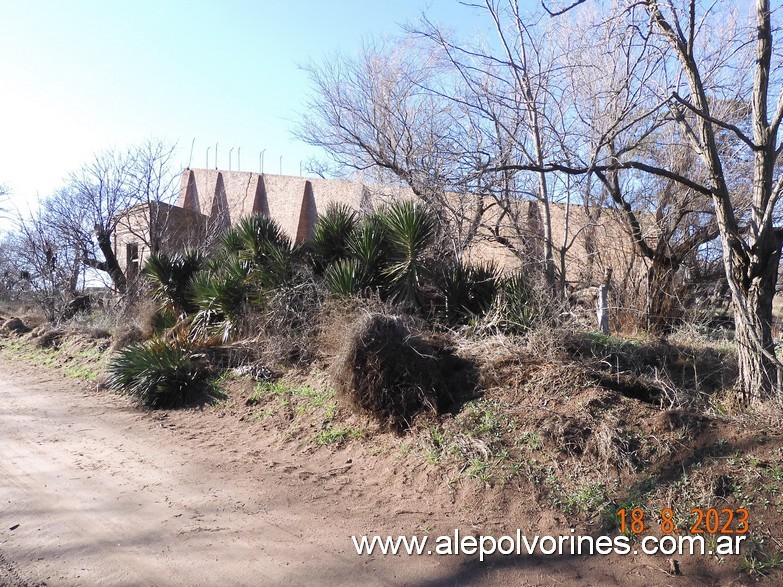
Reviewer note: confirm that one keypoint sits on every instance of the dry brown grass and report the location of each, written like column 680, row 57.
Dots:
column 47, row 336
column 125, row 335
column 388, row 370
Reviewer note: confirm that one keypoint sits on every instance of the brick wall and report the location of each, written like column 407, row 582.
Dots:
column 220, row 198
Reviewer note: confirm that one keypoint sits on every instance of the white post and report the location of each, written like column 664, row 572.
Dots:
column 602, row 305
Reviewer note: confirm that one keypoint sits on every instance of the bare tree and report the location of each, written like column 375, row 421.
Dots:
column 572, row 98
column 89, row 208
column 3, row 198
column 715, row 67
column 154, row 180
column 39, row 263
column 375, row 112
column 511, row 94
column 720, row 85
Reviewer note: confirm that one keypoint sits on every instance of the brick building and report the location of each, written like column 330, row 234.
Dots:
column 211, row 200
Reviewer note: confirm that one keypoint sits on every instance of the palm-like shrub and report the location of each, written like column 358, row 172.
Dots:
column 410, row 229
column 256, row 232
column 330, row 237
column 222, row 294
column 514, row 304
column 170, row 278
column 344, row 278
column 466, row 291
column 263, row 244
column 229, row 243
column 254, row 258
column 367, row 245
column 385, row 252
column 158, row 374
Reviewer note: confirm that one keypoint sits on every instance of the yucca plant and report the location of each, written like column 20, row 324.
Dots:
column 159, row 374
column 222, row 295
column 515, row 304
column 410, row 229
column 330, row 236
column 367, row 245
column 229, row 242
column 343, row 278
column 262, row 243
column 485, row 279
column 466, row 291
column 257, row 231
column 170, row 277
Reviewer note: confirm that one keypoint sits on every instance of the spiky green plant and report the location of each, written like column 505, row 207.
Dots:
column 158, row 374
column 170, row 277
column 367, row 245
column 466, row 291
column 256, row 232
column 330, row 236
column 485, row 280
column 343, row 278
column 229, row 242
column 262, row 243
column 222, row 295
column 410, row 229
column 515, row 304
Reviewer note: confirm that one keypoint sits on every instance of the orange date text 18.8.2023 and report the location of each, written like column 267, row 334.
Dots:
column 710, row 521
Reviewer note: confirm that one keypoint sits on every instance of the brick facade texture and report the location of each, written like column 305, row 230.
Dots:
column 212, row 199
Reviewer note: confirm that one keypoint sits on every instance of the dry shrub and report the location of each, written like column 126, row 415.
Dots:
column 338, row 318
column 15, row 326
column 655, row 370
column 94, row 333
column 393, row 374
column 125, row 335
column 77, row 340
column 146, row 316
column 46, row 337
column 567, row 433
column 614, row 446
column 32, row 318
column 287, row 324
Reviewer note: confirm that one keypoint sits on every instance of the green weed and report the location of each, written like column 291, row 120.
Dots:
column 338, row 435
column 80, row 372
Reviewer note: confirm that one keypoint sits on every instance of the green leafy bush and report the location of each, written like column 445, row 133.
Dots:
column 158, row 374
column 330, row 237
column 170, row 277
column 466, row 291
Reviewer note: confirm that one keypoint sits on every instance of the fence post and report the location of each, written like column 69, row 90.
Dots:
column 602, row 305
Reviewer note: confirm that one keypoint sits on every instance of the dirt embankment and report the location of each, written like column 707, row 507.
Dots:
column 96, row 492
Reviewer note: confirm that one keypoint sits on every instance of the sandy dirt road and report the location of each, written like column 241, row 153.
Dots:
column 99, row 494
column 95, row 492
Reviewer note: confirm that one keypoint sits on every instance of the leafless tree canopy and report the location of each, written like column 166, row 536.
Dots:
column 72, row 230
column 664, row 110
column 87, row 210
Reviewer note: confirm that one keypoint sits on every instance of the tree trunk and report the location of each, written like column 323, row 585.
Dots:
column 662, row 309
column 759, row 369
column 111, row 266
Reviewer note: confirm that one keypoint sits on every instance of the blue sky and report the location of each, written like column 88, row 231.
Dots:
column 78, row 77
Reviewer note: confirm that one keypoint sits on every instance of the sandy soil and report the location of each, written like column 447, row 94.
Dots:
column 94, row 491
